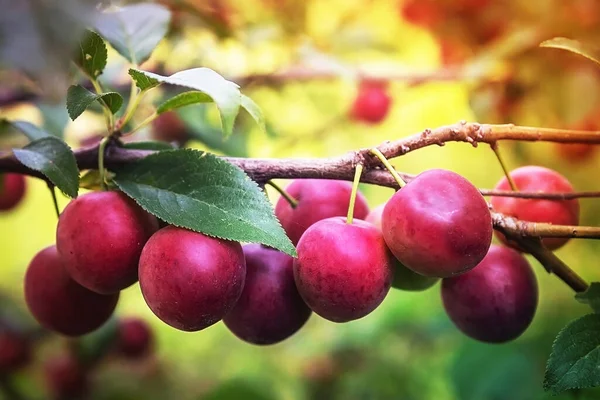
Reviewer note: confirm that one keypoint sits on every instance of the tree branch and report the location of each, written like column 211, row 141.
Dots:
column 342, row 167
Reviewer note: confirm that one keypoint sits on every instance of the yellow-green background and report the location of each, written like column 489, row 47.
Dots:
column 407, row 348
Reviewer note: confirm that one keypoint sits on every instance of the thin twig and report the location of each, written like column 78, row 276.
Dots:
column 343, row 167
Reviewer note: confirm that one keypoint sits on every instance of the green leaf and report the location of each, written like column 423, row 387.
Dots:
column 53, row 158
column 142, row 81
column 92, row 54
column 575, row 358
column 591, row 296
column 574, row 46
column 182, row 100
column 225, row 94
column 204, row 193
column 79, row 99
column 148, row 145
column 199, row 128
column 254, row 110
column 27, row 128
column 135, row 30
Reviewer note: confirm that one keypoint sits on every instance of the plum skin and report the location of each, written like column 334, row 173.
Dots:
column 100, row 236
column 317, row 199
column 496, row 301
column 343, row 271
column 438, row 225
column 66, row 377
column 189, row 280
column 372, row 103
column 135, row 338
column 404, row 278
column 12, row 190
column 538, row 179
column 270, row 308
column 15, row 351
column 58, row 302
column 169, row 127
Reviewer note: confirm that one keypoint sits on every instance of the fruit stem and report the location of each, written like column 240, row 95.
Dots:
column 101, row 170
column 293, row 202
column 375, row 151
column 135, row 99
column 54, row 200
column 145, row 122
column 107, row 113
column 510, row 180
column 357, row 174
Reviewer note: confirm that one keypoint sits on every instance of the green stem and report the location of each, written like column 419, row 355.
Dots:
column 357, row 173
column 293, row 202
column 134, row 101
column 101, row 170
column 54, row 200
column 107, row 113
column 375, row 151
column 145, row 122
column 511, row 182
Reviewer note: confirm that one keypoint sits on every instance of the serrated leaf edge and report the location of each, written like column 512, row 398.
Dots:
column 201, row 153
column 546, row 385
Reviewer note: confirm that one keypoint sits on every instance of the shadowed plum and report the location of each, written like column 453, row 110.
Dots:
column 496, row 301
column 100, row 236
column 372, row 102
column 65, row 377
column 169, row 127
column 270, row 308
column 12, row 190
column 135, row 338
column 58, row 302
column 317, row 199
column 404, row 278
column 343, row 271
column 15, row 351
column 438, row 225
column 542, row 180
column 190, row 280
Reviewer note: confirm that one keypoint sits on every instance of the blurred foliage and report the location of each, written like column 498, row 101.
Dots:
column 407, row 348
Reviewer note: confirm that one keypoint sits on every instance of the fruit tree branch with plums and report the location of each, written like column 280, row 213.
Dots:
column 197, row 231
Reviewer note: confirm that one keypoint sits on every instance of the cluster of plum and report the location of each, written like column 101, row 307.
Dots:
column 438, row 226
column 66, row 374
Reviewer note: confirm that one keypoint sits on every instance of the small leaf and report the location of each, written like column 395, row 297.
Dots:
column 225, row 94
column 254, row 110
column 149, row 145
column 591, row 296
column 135, row 30
column 53, row 158
column 79, row 99
column 204, row 193
column 575, row 358
column 27, row 128
column 182, row 100
column 142, row 81
column 92, row 54
column 574, row 46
